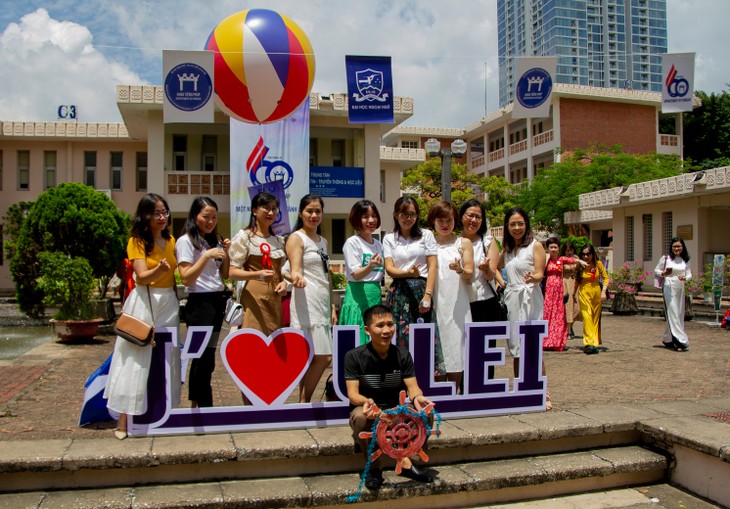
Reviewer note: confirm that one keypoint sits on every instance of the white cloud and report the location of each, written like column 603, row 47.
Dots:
column 47, row 63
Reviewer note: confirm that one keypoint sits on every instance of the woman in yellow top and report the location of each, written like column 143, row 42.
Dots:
column 151, row 249
column 591, row 298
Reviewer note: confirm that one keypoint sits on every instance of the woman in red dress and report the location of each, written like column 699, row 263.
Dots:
column 554, row 308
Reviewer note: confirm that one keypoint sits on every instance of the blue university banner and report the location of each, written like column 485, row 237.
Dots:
column 264, row 153
column 369, row 90
column 534, row 87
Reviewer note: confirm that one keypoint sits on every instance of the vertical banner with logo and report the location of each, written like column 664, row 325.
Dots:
column 369, row 90
column 188, row 81
column 678, row 76
column 534, row 87
column 264, row 153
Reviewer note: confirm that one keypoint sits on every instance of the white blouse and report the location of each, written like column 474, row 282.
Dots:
column 407, row 253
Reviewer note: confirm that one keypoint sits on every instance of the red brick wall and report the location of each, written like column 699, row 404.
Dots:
column 585, row 123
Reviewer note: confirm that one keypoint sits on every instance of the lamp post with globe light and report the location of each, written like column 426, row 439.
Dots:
column 433, row 149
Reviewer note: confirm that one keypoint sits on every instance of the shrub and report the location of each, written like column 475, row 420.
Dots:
column 67, row 283
column 73, row 219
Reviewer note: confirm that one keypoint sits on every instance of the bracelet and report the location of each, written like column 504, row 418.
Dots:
column 416, row 396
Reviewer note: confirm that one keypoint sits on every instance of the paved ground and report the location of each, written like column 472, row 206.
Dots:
column 41, row 391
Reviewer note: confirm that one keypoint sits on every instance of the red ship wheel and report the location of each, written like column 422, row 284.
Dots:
column 400, row 435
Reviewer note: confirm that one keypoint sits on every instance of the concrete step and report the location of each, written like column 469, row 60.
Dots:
column 456, row 485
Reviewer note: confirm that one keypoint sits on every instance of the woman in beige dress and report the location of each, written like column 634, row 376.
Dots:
column 570, row 287
column 256, row 258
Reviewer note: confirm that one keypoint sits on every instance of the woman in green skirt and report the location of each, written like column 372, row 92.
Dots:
column 363, row 255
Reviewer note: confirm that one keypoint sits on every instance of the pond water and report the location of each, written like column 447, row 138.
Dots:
column 16, row 340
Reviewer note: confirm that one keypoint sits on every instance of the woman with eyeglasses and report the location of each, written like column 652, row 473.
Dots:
column 257, row 255
column 592, row 295
column 524, row 261
column 363, row 255
column 411, row 259
column 483, row 303
column 311, row 309
column 674, row 271
column 151, row 249
column 203, row 263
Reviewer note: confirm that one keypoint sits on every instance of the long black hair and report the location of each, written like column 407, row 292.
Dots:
column 684, row 254
column 306, row 200
column 508, row 241
column 473, row 202
column 401, row 204
column 260, row 200
column 191, row 229
column 141, row 221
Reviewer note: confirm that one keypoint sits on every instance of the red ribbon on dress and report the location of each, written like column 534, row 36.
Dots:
column 265, row 256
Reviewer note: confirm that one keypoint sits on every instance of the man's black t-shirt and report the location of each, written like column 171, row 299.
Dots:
column 380, row 379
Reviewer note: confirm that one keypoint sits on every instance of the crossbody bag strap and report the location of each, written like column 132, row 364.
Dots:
column 149, row 296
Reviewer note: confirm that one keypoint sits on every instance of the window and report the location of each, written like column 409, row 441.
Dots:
column 90, row 169
column 667, row 229
column 24, row 170
column 646, row 220
column 210, row 150
column 1, row 180
column 179, row 152
column 49, row 169
column 116, row 171
column 338, row 235
column 629, row 237
column 312, row 152
column 338, row 152
column 409, row 144
column 141, row 171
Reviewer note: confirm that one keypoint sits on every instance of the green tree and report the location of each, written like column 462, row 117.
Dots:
column 707, row 129
column 500, row 198
column 424, row 183
column 12, row 223
column 73, row 219
column 555, row 190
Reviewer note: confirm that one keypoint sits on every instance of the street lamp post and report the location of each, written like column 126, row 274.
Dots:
column 433, row 149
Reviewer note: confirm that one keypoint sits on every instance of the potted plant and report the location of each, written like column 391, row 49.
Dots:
column 68, row 285
column 625, row 283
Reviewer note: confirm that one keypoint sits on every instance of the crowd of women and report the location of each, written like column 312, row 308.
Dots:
column 437, row 277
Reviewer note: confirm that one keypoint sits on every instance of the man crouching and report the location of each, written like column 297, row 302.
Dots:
column 375, row 373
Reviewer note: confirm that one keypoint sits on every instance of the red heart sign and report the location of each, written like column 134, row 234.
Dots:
column 267, row 369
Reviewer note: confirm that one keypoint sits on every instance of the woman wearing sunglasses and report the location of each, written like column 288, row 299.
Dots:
column 592, row 293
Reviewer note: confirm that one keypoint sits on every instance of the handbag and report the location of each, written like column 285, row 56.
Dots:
column 136, row 330
column 234, row 313
column 659, row 280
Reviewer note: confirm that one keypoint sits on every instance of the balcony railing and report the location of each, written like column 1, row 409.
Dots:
column 668, row 140
column 542, row 138
column 198, row 183
column 496, row 155
column 518, row 147
column 477, row 162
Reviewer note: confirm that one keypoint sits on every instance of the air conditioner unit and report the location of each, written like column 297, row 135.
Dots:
column 107, row 192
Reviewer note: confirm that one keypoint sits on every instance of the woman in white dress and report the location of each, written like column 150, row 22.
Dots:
column 151, row 249
column 311, row 308
column 675, row 271
column 524, row 261
column 451, row 296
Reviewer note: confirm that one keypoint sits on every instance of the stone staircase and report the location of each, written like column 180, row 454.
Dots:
column 475, row 462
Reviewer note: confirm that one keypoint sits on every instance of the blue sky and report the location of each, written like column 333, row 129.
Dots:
column 74, row 52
